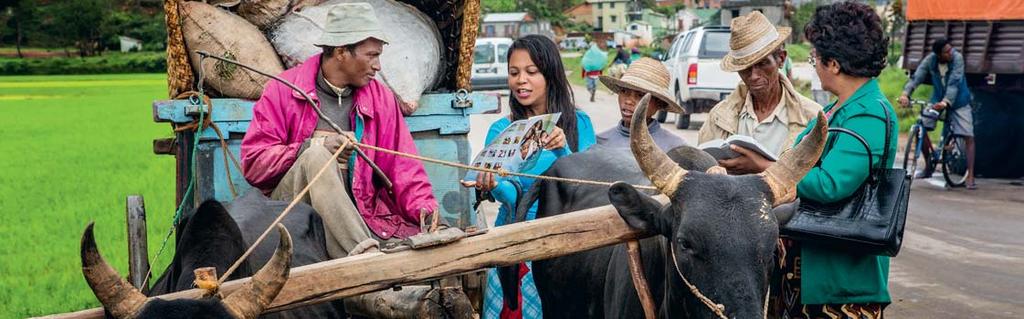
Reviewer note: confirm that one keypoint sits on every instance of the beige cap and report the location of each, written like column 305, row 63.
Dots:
column 350, row 23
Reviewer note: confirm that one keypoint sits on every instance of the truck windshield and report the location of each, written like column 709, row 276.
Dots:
column 715, row 45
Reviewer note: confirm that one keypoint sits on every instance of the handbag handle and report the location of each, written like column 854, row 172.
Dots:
column 862, row 142
column 872, row 173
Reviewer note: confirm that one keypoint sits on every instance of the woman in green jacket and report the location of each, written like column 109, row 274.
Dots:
column 849, row 52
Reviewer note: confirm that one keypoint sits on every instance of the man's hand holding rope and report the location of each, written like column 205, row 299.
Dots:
column 333, row 142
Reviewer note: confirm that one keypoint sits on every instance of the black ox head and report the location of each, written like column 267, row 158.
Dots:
column 721, row 228
column 124, row 301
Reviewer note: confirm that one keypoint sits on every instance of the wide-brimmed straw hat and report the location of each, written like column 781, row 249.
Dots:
column 648, row 76
column 350, row 23
column 752, row 37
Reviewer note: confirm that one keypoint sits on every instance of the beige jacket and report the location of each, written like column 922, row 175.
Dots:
column 723, row 119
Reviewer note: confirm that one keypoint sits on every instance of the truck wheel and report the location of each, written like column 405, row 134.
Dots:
column 661, row 116
column 683, row 122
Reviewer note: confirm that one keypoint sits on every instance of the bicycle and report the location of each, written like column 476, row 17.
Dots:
column 953, row 154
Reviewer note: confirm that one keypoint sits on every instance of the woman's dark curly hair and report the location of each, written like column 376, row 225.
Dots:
column 849, row 33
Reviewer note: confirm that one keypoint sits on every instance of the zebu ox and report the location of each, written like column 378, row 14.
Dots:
column 124, row 301
column 215, row 236
column 719, row 231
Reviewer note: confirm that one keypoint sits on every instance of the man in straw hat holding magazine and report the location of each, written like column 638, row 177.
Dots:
column 644, row 76
column 764, row 110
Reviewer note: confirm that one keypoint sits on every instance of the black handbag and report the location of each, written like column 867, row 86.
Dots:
column 870, row 221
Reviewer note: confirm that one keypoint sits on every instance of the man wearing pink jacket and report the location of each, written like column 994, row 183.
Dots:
column 287, row 142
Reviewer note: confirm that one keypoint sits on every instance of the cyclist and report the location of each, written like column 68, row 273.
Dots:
column 945, row 68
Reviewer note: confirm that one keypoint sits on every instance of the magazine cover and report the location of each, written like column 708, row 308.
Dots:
column 517, row 148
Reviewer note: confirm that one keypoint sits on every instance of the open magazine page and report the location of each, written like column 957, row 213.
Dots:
column 517, row 148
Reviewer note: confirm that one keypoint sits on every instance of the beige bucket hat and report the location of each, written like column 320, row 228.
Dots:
column 648, row 76
column 752, row 37
column 350, row 23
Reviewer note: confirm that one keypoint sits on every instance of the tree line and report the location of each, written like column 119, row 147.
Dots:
column 82, row 27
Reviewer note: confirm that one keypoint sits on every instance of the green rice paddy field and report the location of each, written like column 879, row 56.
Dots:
column 71, row 149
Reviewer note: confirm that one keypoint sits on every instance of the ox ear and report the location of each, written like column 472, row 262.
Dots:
column 783, row 213
column 640, row 211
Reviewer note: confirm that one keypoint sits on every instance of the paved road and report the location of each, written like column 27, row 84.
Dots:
column 963, row 252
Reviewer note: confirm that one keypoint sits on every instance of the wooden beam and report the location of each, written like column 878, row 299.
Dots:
column 533, row 240
column 138, row 253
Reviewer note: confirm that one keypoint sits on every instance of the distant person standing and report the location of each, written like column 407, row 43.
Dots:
column 593, row 62
column 620, row 63
column 635, row 55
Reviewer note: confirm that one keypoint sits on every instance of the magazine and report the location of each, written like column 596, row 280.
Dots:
column 720, row 150
column 517, row 148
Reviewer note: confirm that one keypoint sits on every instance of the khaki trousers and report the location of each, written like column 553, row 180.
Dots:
column 344, row 228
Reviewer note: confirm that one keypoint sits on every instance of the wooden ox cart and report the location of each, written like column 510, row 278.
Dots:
column 440, row 126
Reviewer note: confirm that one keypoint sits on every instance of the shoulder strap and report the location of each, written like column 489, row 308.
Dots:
column 888, row 131
column 885, row 152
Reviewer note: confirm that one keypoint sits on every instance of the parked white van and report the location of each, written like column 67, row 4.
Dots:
column 490, row 64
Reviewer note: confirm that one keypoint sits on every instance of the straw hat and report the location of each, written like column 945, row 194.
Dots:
column 350, row 23
column 648, row 76
column 752, row 37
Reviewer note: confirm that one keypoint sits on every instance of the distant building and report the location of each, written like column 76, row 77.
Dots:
column 513, row 25
column 772, row 9
column 610, row 15
column 693, row 4
column 692, row 18
column 581, row 13
column 129, row 44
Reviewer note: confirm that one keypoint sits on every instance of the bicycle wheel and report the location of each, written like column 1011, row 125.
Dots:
column 954, row 161
column 911, row 151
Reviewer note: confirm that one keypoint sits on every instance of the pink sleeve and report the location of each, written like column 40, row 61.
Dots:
column 411, row 185
column 266, row 155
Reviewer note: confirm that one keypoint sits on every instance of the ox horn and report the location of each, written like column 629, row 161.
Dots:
column 783, row 176
column 116, row 295
column 254, row 296
column 663, row 172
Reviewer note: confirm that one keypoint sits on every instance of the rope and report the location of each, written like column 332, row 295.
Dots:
column 717, row 308
column 500, row 172
column 298, row 197
column 207, row 122
column 188, row 191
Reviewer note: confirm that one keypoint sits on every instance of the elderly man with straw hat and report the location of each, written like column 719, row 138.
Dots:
column 287, row 141
column 764, row 105
column 644, row 76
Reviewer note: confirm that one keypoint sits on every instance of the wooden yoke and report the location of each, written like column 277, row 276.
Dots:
column 542, row 238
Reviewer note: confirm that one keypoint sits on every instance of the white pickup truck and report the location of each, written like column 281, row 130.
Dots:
column 697, row 80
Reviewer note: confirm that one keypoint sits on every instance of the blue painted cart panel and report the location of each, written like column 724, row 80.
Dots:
column 439, row 130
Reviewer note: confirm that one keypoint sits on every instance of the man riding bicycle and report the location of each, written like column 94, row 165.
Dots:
column 945, row 68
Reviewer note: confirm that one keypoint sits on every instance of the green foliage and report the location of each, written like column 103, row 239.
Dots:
column 91, row 26
column 490, row 6
column 74, row 147
column 891, row 82
column 151, row 30
column 798, row 52
column 113, row 62
column 541, row 9
column 78, row 23
column 802, row 16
